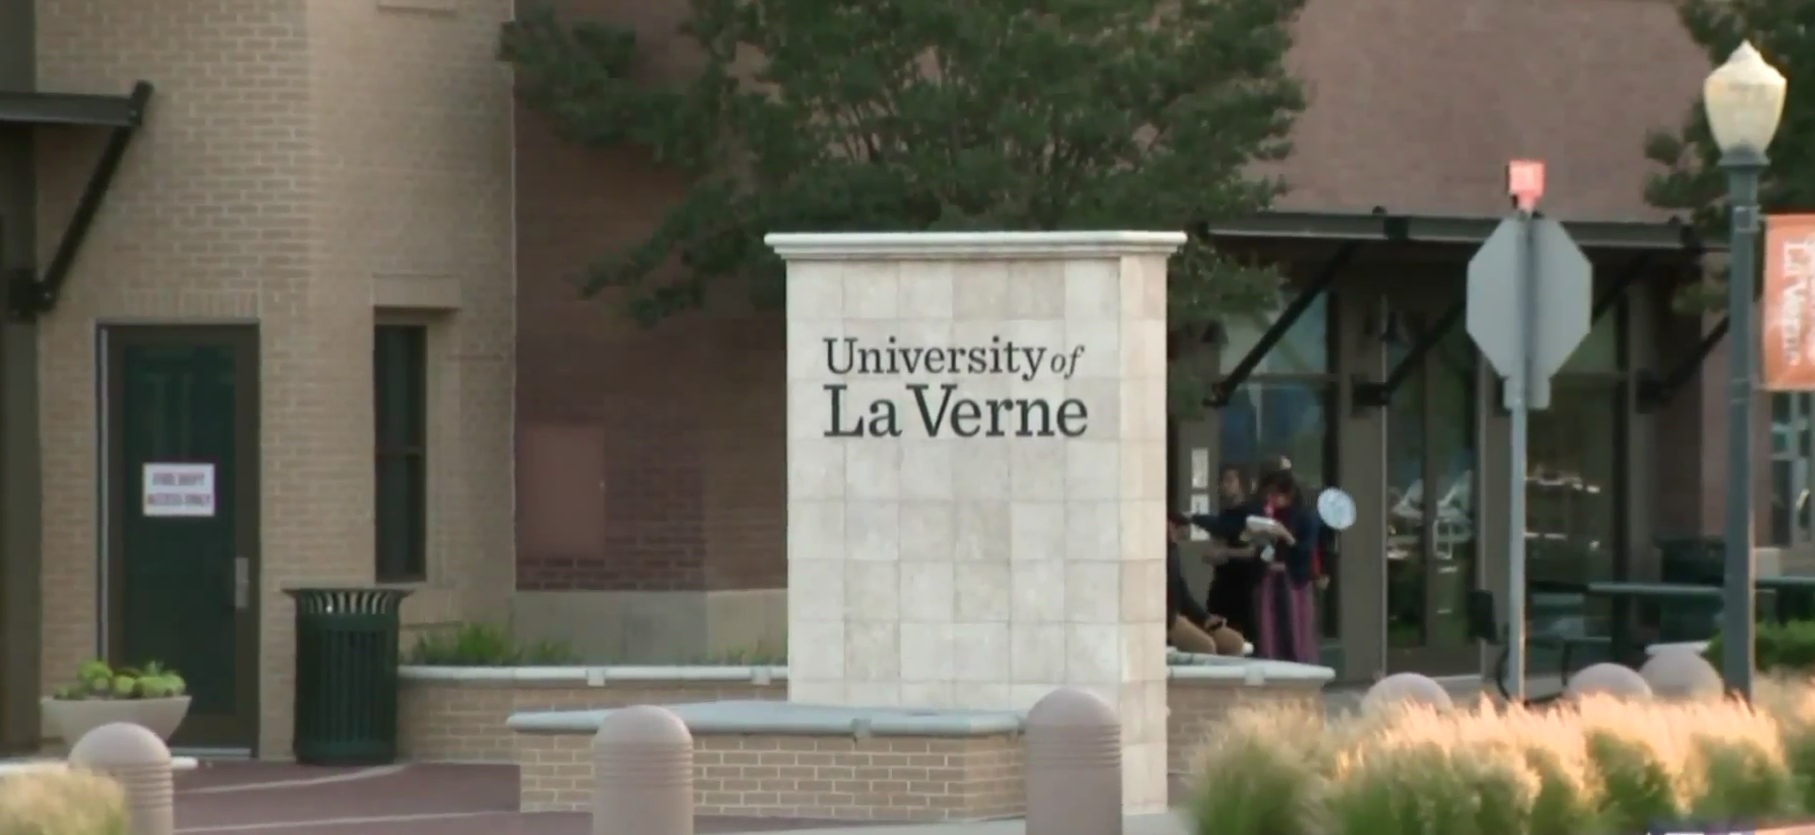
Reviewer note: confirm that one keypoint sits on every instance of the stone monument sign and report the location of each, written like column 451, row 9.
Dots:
column 977, row 474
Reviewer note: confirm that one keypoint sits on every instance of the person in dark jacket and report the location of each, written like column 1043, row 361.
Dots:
column 1234, row 573
column 1189, row 626
column 1283, row 601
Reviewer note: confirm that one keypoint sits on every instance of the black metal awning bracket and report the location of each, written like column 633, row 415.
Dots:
column 1656, row 391
column 1380, row 395
column 1616, row 289
column 1222, row 391
column 29, row 297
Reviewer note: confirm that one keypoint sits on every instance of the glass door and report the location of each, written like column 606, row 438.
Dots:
column 1431, row 553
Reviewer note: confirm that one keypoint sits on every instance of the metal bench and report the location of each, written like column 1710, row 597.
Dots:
column 1484, row 626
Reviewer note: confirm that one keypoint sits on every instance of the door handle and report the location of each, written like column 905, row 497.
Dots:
column 242, row 582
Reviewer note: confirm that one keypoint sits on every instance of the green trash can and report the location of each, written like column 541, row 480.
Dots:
column 1695, row 560
column 346, row 675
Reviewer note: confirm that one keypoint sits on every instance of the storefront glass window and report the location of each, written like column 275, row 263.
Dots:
column 1570, row 500
column 1283, row 411
column 1271, row 419
column 1790, row 458
column 1430, row 496
column 1304, row 350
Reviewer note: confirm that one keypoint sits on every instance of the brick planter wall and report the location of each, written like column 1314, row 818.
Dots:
column 457, row 714
column 878, row 778
column 1198, row 697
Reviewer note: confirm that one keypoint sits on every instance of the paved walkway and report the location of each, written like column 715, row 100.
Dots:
column 280, row 799
column 247, row 798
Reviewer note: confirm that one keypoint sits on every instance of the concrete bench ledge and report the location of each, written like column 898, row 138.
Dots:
column 790, row 719
column 1252, row 671
column 592, row 676
column 23, row 766
column 601, row 676
column 1697, row 647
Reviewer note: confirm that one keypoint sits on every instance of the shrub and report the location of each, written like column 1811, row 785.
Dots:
column 1598, row 766
column 61, row 801
column 759, row 655
column 1263, row 772
column 486, row 645
column 1792, row 705
column 1779, row 647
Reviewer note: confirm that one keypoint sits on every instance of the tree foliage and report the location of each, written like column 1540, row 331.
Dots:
column 1692, row 181
column 910, row 115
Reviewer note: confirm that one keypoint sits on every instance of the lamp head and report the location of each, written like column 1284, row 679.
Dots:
column 1744, row 98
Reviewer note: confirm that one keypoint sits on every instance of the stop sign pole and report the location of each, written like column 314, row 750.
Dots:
column 1529, row 266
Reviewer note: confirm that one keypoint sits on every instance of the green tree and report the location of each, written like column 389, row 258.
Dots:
column 910, row 115
column 1692, row 182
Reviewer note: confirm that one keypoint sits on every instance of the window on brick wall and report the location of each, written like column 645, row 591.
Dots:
column 1790, row 456
column 400, row 403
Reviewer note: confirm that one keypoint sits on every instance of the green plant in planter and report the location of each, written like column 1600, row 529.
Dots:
column 97, row 680
column 1778, row 647
column 486, row 645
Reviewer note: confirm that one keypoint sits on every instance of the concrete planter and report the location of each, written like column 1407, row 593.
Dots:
column 460, row 714
column 72, row 719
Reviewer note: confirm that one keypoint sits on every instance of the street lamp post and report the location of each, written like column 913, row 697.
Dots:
column 1744, row 99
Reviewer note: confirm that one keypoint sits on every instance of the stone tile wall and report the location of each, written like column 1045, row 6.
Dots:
column 977, row 474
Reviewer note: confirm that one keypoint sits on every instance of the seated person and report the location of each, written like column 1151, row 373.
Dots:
column 1190, row 628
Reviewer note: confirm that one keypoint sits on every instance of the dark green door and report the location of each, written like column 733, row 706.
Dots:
column 182, row 442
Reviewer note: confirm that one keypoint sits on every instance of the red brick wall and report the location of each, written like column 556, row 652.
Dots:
column 650, row 459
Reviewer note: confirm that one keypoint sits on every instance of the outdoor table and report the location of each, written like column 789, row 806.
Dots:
column 1795, row 596
column 1623, row 594
column 1622, row 647
column 1795, row 599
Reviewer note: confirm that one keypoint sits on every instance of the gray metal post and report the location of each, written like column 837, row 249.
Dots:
column 1518, row 389
column 1739, row 613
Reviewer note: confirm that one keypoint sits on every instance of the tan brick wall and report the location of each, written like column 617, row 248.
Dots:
column 447, row 721
column 879, row 778
column 1197, row 706
column 298, row 159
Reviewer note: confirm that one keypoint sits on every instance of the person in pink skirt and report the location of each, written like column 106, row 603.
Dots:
column 1283, row 598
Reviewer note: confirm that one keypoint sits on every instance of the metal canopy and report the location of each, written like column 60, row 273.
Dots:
column 1381, row 225
column 1647, row 239
column 29, row 296
column 1380, row 395
column 78, row 109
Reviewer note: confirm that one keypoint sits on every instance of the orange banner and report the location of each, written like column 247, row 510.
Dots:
column 1787, row 309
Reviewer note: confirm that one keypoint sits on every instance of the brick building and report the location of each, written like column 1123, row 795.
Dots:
column 314, row 219
column 298, row 189
column 676, row 548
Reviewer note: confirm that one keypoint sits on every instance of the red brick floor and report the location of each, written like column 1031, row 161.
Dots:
column 231, row 798
column 247, row 798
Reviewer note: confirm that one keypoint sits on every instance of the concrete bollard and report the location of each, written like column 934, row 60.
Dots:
column 140, row 762
column 1073, row 750
column 642, row 774
column 1405, row 689
column 1682, row 674
column 1608, row 680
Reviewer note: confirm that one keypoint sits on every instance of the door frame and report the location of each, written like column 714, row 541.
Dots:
column 243, row 340
column 1463, row 657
